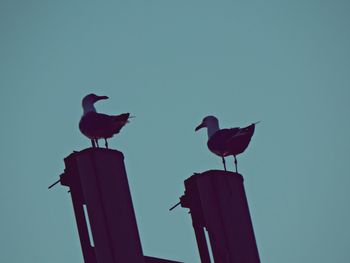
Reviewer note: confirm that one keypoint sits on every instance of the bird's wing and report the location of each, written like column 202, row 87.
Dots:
column 114, row 123
column 101, row 119
column 101, row 125
column 247, row 131
column 124, row 117
column 93, row 123
column 240, row 141
column 219, row 141
column 230, row 133
column 230, row 141
column 105, row 120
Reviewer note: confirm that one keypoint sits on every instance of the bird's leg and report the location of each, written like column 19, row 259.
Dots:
column 97, row 143
column 236, row 163
column 93, row 143
column 224, row 162
column 106, row 143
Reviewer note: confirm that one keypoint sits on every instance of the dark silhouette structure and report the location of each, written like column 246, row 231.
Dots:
column 107, row 224
column 226, row 142
column 101, row 198
column 218, row 205
column 96, row 125
column 103, row 206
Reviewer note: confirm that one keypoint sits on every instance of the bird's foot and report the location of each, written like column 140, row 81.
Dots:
column 224, row 162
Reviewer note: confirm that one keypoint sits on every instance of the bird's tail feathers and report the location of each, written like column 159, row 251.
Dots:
column 130, row 117
column 122, row 117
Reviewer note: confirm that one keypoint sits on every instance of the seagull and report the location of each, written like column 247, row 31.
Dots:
column 225, row 142
column 96, row 125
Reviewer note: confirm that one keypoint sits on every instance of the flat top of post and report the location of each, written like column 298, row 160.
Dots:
column 215, row 173
column 92, row 150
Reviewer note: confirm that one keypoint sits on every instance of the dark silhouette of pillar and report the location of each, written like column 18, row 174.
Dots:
column 97, row 179
column 98, row 182
column 218, row 204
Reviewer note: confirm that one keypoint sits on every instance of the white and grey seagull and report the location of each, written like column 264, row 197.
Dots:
column 96, row 125
column 225, row 142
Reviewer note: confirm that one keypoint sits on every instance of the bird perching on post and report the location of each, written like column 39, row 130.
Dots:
column 225, row 142
column 96, row 125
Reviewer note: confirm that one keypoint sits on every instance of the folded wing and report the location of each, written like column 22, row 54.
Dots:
column 98, row 125
column 230, row 141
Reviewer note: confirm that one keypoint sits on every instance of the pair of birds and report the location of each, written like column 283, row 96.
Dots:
column 222, row 142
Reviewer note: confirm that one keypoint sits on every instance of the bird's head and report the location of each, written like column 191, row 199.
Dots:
column 208, row 121
column 92, row 98
column 89, row 100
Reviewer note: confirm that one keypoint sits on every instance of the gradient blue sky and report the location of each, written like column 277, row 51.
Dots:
column 170, row 63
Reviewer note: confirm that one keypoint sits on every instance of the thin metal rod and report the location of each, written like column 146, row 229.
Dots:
column 59, row 180
column 175, row 206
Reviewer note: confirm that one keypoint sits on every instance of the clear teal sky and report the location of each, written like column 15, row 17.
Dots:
column 170, row 63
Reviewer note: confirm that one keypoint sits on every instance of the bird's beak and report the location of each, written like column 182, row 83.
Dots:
column 200, row 126
column 101, row 98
